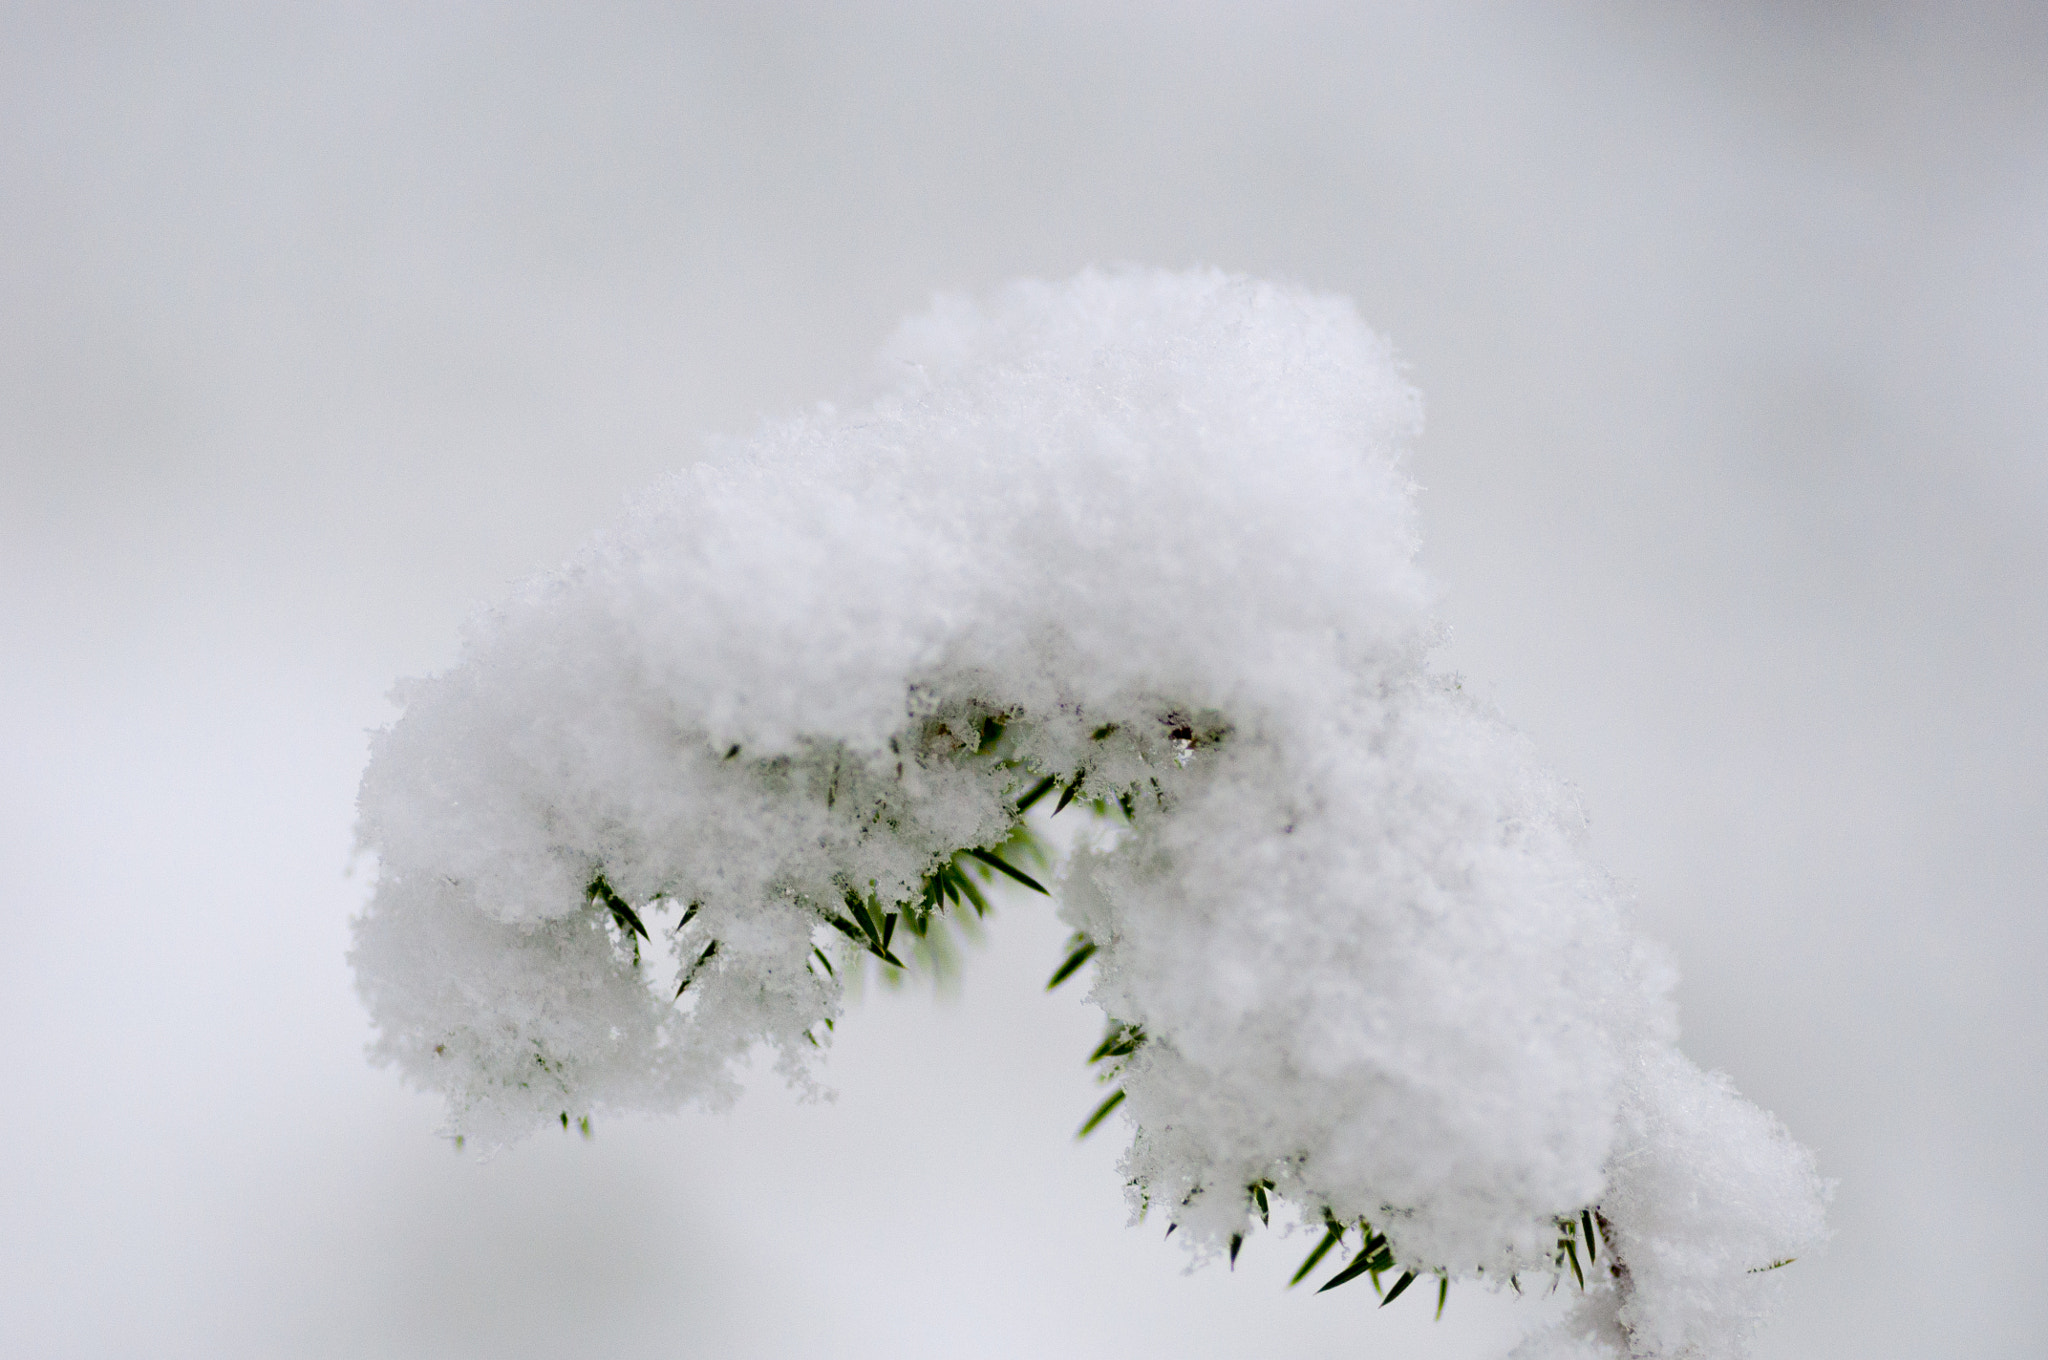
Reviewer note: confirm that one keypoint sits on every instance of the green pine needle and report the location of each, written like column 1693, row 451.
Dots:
column 1038, row 791
column 1072, row 965
column 1003, row 867
column 622, row 911
column 966, row 885
column 1407, row 1278
column 1373, row 1257
column 690, row 973
column 1101, row 1113
column 1121, row 1041
column 1359, row 1265
column 1330, row 1238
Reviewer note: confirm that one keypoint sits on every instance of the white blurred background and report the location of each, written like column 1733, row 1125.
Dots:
column 320, row 325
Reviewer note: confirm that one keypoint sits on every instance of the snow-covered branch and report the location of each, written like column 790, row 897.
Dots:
column 1144, row 540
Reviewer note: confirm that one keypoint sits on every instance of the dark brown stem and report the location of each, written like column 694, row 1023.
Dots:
column 1624, row 1285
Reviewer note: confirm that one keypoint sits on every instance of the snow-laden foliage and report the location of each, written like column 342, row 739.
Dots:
column 1141, row 540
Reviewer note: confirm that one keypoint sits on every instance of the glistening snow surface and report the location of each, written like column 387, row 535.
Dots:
column 1145, row 531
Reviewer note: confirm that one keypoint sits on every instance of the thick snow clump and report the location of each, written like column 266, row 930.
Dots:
column 1147, row 534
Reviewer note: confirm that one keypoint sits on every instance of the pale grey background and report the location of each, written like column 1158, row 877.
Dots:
column 323, row 324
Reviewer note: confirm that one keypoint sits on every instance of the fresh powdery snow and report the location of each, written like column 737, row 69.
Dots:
column 1142, row 542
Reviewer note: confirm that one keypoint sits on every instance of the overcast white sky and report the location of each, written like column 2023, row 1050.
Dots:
column 321, row 325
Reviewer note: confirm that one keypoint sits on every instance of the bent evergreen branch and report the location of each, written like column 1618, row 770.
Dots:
column 1140, row 543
